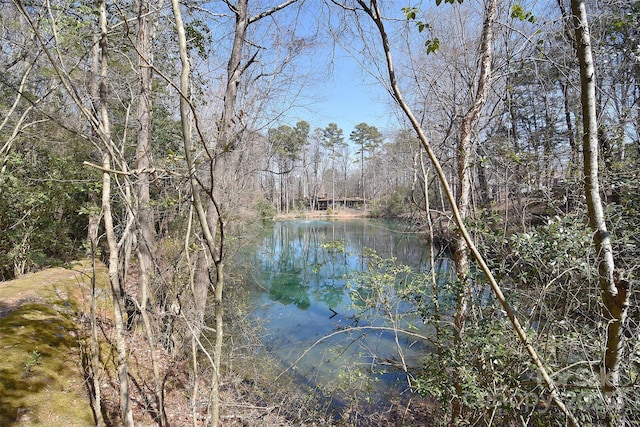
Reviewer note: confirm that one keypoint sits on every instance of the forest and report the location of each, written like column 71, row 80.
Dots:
column 160, row 138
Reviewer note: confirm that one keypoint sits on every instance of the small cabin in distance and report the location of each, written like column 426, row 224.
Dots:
column 324, row 203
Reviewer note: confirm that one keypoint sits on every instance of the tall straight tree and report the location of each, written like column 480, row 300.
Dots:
column 367, row 139
column 465, row 150
column 145, row 221
column 614, row 290
column 333, row 139
column 287, row 143
column 116, row 278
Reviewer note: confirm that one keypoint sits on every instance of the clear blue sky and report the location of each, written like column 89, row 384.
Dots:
column 348, row 97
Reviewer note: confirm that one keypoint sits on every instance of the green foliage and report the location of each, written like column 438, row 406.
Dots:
column 333, row 138
column 198, row 36
column 518, row 12
column 265, row 210
column 560, row 245
column 623, row 214
column 288, row 142
column 410, row 13
column 335, row 247
column 394, row 291
column 485, row 370
column 32, row 360
column 546, row 264
column 393, row 205
column 432, row 45
column 366, row 137
column 381, row 284
column 551, row 281
column 41, row 193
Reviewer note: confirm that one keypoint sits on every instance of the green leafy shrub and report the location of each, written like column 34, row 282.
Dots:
column 265, row 210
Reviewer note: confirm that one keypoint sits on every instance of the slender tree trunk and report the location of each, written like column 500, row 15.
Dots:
column 217, row 354
column 226, row 143
column 364, row 198
column 333, row 181
column 432, row 261
column 614, row 290
column 92, row 235
column 143, row 155
column 203, row 216
column 483, row 185
column 234, row 73
column 465, row 151
column 145, row 220
column 227, row 139
column 569, row 122
column 117, row 291
column 117, row 288
column 211, row 221
column 95, row 344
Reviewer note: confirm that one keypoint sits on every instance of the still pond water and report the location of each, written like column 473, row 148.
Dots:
column 304, row 272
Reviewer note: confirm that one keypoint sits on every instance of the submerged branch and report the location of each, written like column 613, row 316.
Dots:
column 351, row 329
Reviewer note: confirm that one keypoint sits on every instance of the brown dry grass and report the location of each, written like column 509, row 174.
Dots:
column 328, row 214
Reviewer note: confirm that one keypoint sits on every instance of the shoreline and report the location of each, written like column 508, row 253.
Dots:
column 335, row 214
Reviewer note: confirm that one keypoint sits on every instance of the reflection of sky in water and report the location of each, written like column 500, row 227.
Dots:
column 306, row 295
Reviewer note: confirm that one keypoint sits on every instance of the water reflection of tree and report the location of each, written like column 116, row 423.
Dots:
column 287, row 288
column 329, row 294
column 287, row 283
column 303, row 263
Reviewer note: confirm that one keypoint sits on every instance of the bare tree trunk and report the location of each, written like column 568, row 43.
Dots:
column 117, row 291
column 569, row 123
column 465, row 151
column 143, row 155
column 217, row 353
column 117, row 288
column 92, row 234
column 234, row 72
column 208, row 238
column 432, row 260
column 145, row 220
column 227, row 139
column 614, row 290
column 211, row 222
column 95, row 344
column 226, row 142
